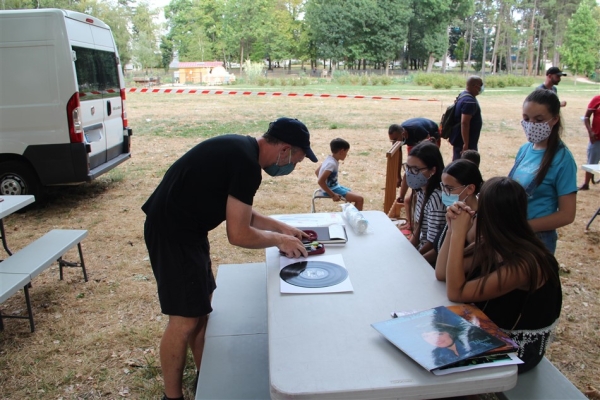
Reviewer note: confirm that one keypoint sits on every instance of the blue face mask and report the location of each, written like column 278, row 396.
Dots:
column 415, row 181
column 449, row 199
column 276, row 170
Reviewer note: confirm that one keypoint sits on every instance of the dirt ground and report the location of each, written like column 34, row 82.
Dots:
column 100, row 339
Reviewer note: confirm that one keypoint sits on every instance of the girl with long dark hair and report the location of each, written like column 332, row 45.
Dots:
column 461, row 181
column 423, row 169
column 546, row 168
column 511, row 276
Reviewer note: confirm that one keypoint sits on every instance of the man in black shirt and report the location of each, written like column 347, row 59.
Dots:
column 553, row 77
column 213, row 182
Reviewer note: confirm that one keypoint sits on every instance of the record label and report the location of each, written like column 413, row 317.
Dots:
column 313, row 274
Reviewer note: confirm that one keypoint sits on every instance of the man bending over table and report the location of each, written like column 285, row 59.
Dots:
column 213, row 182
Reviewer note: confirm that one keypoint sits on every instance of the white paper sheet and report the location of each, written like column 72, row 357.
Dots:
column 345, row 286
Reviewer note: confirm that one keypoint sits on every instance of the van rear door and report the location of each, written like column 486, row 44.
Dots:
column 98, row 79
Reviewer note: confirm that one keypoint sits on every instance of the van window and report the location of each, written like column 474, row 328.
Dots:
column 97, row 73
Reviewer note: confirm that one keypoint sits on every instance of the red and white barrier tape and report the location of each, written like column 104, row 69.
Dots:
column 274, row 94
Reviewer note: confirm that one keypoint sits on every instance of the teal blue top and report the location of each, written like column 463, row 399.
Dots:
column 560, row 180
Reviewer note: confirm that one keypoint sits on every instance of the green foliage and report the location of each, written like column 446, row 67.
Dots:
column 356, row 29
column 581, row 47
column 448, row 81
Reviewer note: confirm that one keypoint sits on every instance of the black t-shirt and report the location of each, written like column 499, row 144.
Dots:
column 532, row 311
column 467, row 104
column 192, row 197
column 418, row 129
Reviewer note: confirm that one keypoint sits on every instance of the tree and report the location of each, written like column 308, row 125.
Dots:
column 459, row 52
column 429, row 29
column 145, row 50
column 581, row 45
column 195, row 29
column 330, row 23
column 248, row 25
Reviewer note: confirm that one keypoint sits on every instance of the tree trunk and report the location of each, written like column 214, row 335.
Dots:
column 497, row 38
column 430, row 62
column 530, row 38
column 507, row 45
column 241, row 55
column 485, row 35
column 538, row 60
column 446, row 52
column 470, row 43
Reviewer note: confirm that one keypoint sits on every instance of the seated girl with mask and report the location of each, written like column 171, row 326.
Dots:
column 461, row 181
column 423, row 171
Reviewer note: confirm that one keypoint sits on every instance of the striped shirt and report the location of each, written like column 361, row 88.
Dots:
column 434, row 218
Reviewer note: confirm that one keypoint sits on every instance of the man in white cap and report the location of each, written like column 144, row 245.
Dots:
column 213, row 182
column 553, row 75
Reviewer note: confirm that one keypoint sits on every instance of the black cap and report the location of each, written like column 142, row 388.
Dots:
column 555, row 71
column 294, row 132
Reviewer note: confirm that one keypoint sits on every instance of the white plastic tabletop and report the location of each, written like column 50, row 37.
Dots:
column 323, row 346
column 593, row 168
column 10, row 204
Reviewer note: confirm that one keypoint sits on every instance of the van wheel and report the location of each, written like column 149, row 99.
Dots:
column 18, row 178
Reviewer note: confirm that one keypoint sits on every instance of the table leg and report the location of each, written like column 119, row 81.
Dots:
column 3, row 236
column 594, row 216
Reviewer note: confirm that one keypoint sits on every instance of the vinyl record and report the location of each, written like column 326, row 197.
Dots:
column 313, row 274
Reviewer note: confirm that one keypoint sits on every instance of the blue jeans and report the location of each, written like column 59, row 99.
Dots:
column 549, row 239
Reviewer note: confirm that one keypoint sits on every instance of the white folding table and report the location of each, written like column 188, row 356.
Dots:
column 594, row 169
column 8, row 205
column 321, row 346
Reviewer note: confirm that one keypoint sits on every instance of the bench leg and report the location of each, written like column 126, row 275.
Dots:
column 592, row 220
column 3, row 237
column 62, row 263
column 29, row 312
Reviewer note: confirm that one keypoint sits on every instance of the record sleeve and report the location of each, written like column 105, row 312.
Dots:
column 437, row 337
column 332, row 234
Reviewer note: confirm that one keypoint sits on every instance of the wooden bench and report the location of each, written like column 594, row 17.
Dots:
column 19, row 269
column 546, row 382
column 235, row 362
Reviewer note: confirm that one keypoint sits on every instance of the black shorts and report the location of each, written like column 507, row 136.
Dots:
column 183, row 272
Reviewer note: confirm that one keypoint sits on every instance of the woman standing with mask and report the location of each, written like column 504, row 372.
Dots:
column 423, row 169
column 546, row 168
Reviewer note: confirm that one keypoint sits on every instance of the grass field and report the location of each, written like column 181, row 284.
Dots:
column 100, row 339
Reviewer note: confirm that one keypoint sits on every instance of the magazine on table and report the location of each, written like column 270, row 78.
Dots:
column 437, row 337
column 485, row 361
column 474, row 315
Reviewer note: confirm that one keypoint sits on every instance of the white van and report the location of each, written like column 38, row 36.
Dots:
column 62, row 100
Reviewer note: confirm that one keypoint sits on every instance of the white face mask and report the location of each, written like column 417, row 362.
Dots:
column 536, row 132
